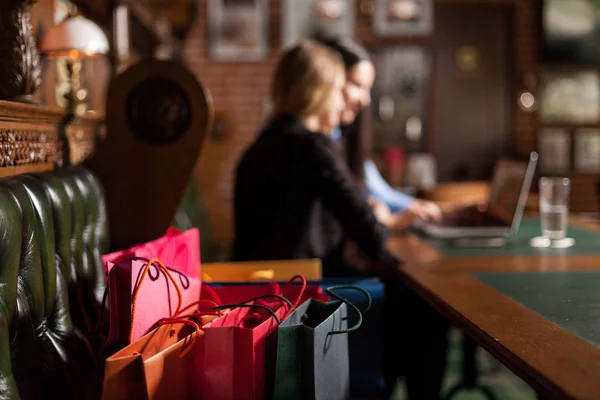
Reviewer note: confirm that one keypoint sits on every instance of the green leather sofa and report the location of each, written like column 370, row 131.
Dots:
column 53, row 230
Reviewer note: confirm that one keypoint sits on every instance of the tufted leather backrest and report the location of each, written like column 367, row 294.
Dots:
column 53, row 229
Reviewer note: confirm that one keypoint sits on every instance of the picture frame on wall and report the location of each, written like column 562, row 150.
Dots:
column 554, row 147
column 238, row 30
column 570, row 32
column 570, row 97
column 587, row 150
column 403, row 17
column 316, row 19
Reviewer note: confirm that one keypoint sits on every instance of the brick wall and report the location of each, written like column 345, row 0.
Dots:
column 239, row 90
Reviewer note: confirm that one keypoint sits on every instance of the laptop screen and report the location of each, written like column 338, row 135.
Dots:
column 505, row 191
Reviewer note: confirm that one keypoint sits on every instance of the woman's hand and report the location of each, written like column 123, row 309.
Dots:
column 381, row 211
column 425, row 210
column 394, row 221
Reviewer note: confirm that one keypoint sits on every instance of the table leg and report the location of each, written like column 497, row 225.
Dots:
column 470, row 372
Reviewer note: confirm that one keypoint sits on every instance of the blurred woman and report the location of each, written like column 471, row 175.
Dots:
column 360, row 76
column 416, row 337
column 294, row 194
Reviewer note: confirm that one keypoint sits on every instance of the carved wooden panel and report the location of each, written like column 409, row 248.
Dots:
column 37, row 138
column 29, row 146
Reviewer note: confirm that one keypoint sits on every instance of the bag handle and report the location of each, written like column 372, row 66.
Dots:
column 303, row 288
column 139, row 285
column 183, row 278
column 330, row 290
column 185, row 321
column 197, row 303
column 264, row 296
column 185, row 283
column 223, row 307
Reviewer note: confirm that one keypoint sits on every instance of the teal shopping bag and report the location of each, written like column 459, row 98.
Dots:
column 308, row 353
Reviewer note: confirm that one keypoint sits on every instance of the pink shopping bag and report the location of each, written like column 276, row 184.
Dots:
column 176, row 249
column 140, row 294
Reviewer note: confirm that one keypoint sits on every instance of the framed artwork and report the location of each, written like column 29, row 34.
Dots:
column 238, row 30
column 587, row 150
column 399, row 95
column 571, row 32
column 316, row 19
column 555, row 150
column 403, row 17
column 572, row 98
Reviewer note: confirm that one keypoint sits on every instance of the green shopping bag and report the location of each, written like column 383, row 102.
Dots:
column 308, row 353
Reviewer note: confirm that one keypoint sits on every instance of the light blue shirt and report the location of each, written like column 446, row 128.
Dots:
column 336, row 134
column 382, row 191
column 378, row 187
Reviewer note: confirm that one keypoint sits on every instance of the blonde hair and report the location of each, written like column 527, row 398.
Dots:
column 305, row 79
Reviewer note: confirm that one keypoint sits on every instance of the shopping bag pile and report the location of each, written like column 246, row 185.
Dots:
column 173, row 336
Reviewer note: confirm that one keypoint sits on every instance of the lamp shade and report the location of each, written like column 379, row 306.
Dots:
column 75, row 37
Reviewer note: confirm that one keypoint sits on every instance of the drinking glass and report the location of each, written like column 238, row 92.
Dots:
column 554, row 207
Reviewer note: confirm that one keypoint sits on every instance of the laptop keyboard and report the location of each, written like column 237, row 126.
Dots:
column 470, row 217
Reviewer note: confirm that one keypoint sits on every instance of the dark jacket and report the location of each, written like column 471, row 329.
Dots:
column 295, row 198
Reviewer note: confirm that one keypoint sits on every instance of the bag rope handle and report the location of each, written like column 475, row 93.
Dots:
column 197, row 303
column 185, row 321
column 302, row 290
column 223, row 307
column 139, row 285
column 264, row 296
column 330, row 291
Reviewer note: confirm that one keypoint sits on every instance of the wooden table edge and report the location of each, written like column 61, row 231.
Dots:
column 542, row 384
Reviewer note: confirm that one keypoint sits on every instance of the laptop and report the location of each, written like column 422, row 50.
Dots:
column 500, row 216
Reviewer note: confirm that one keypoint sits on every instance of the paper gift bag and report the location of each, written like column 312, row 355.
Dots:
column 308, row 356
column 176, row 249
column 141, row 293
column 236, row 292
column 233, row 361
column 261, row 270
column 156, row 366
column 367, row 368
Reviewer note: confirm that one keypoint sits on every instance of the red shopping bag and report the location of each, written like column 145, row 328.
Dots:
column 230, row 293
column 176, row 249
column 142, row 293
column 232, row 365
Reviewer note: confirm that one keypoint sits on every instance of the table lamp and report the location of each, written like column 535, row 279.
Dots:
column 73, row 40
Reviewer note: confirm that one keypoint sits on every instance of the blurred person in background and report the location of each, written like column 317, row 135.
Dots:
column 295, row 197
column 416, row 338
column 395, row 209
